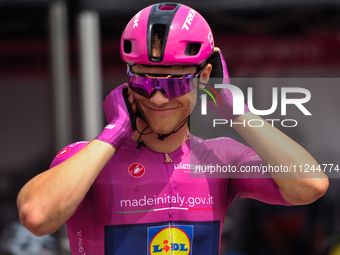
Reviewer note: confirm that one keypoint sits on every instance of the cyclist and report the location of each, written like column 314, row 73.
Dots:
column 132, row 189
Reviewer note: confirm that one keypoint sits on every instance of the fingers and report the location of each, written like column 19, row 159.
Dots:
column 216, row 49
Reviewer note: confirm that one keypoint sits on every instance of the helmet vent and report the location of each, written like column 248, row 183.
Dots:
column 167, row 7
column 127, row 47
column 158, row 33
column 192, row 49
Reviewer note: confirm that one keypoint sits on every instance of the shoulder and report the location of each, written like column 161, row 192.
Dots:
column 224, row 147
column 221, row 143
column 67, row 152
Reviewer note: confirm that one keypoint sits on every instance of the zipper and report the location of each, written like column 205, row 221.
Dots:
column 169, row 175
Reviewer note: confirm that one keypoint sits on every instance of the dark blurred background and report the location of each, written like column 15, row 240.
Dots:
column 42, row 78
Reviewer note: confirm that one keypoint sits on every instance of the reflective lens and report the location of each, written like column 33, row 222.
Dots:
column 171, row 87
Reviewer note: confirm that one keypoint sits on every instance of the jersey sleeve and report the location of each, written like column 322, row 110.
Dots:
column 66, row 153
column 250, row 180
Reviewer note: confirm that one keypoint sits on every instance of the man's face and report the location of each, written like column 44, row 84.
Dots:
column 165, row 115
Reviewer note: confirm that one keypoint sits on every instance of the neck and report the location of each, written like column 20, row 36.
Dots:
column 151, row 141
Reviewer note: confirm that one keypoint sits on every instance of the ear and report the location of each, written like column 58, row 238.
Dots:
column 205, row 74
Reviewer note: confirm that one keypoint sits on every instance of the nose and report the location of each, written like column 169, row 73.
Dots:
column 158, row 98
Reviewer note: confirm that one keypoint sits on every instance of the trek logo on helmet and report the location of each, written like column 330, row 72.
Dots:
column 211, row 40
column 189, row 19
column 136, row 19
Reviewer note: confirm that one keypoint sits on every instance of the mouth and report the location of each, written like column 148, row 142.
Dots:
column 161, row 111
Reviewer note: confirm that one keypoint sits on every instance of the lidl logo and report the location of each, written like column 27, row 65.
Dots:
column 171, row 240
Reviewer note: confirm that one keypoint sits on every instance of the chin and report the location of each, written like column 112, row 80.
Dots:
column 161, row 129
column 164, row 124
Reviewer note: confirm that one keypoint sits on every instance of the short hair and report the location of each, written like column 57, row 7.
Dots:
column 158, row 32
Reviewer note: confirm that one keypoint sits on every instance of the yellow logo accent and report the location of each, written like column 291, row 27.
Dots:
column 170, row 241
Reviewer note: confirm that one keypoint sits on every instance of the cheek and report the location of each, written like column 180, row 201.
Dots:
column 138, row 101
column 188, row 100
column 193, row 99
column 137, row 98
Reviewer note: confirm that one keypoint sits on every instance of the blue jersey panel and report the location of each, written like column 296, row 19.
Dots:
column 179, row 237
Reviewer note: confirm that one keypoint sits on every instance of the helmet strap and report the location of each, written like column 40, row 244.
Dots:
column 141, row 142
column 163, row 136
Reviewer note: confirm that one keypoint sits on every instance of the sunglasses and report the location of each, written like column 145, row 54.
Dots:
column 171, row 85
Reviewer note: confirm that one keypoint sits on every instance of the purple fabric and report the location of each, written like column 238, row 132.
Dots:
column 119, row 128
column 226, row 109
column 162, row 192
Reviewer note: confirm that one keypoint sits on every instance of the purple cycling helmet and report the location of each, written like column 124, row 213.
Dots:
column 184, row 30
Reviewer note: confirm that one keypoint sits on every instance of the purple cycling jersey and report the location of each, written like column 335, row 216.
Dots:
column 146, row 202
